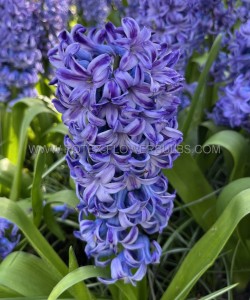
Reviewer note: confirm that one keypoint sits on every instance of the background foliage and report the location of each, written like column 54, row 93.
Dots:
column 206, row 252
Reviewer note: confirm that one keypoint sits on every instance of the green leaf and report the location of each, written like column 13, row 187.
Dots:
column 75, row 277
column 201, row 59
column 242, row 259
column 4, row 132
column 36, row 193
column 81, row 290
column 7, row 172
column 124, row 291
column 207, row 249
column 51, row 223
column 30, row 114
column 53, row 167
column 229, row 192
column 11, row 211
column 219, row 292
column 192, row 189
column 6, row 293
column 17, row 115
column 191, row 120
column 142, row 288
column 32, row 298
column 66, row 196
column 236, row 144
column 58, row 128
column 27, row 275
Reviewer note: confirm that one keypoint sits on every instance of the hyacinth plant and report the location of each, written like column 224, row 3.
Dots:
column 115, row 90
column 159, row 208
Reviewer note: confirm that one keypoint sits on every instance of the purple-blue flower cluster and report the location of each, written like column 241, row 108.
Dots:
column 19, row 57
column 174, row 22
column 233, row 107
column 9, row 237
column 51, row 18
column 216, row 16
column 243, row 11
column 133, row 9
column 116, row 92
column 239, row 58
column 94, row 12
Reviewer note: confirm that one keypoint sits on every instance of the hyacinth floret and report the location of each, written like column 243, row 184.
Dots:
column 9, row 237
column 116, row 92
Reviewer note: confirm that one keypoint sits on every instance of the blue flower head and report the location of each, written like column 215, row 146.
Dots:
column 51, row 18
column 174, row 22
column 233, row 108
column 19, row 57
column 94, row 12
column 9, row 237
column 116, row 92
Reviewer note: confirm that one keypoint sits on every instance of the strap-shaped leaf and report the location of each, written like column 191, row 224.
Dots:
column 36, row 193
column 7, row 172
column 193, row 187
column 192, row 119
column 75, row 277
column 29, row 115
column 236, row 144
column 65, row 196
column 27, row 275
column 219, row 292
column 11, row 211
column 81, row 290
column 207, row 249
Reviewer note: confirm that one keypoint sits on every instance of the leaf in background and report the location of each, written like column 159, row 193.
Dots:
column 81, row 290
column 201, row 59
column 236, row 144
column 30, row 114
column 53, row 167
column 7, row 135
column 207, row 249
column 229, row 192
column 36, row 193
column 193, row 187
column 75, row 277
column 7, row 172
column 6, row 293
column 220, row 292
column 194, row 118
column 51, row 223
column 58, row 128
column 125, row 291
column 11, row 211
column 32, row 298
column 66, row 196
column 27, row 275
column 242, row 258
column 17, row 115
